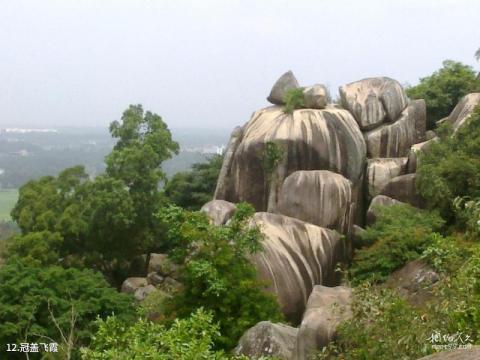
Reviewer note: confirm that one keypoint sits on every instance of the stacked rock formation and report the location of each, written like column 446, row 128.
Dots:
column 335, row 160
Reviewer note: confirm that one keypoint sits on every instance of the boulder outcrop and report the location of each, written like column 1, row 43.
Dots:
column 403, row 188
column 296, row 256
column 377, row 202
column 415, row 150
column 219, row 211
column 394, row 140
column 224, row 177
column 309, row 139
column 380, row 171
column 315, row 96
column 161, row 264
column 327, row 307
column 319, row 197
column 131, row 284
column 286, row 82
column 414, row 282
column 373, row 101
column 463, row 110
column 268, row 339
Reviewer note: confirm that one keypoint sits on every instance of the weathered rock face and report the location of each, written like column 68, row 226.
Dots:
column 286, row 82
column 295, row 257
column 315, row 97
column 326, row 308
column 377, row 202
column 224, row 176
column 415, row 150
column 380, row 171
column 374, row 100
column 463, row 110
column 142, row 292
column 219, row 211
column 319, row 197
column 130, row 285
column 268, row 339
column 310, row 140
column 472, row 353
column 395, row 140
column 402, row 188
column 161, row 264
column 414, row 282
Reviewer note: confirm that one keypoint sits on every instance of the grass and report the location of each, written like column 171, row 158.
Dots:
column 8, row 198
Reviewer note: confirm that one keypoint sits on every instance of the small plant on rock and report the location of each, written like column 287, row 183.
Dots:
column 293, row 99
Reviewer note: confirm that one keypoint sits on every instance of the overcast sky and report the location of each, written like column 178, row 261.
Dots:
column 210, row 63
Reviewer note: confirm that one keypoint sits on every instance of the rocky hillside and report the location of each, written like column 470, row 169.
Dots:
column 316, row 176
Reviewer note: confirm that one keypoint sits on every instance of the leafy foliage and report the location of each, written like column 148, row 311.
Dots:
column 444, row 88
column 445, row 254
column 31, row 298
column 293, row 99
column 451, row 168
column 191, row 189
column 190, row 339
column 400, row 234
column 218, row 275
column 273, row 154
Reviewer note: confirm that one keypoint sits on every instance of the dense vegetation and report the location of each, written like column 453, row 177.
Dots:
column 293, row 99
column 218, row 275
column 191, row 189
column 451, row 167
column 444, row 88
column 78, row 238
column 400, row 234
column 385, row 324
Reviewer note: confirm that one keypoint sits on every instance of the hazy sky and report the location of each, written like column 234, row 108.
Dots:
column 210, row 63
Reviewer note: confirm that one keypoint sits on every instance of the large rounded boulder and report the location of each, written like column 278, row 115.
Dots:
column 373, row 101
column 327, row 307
column 308, row 139
column 285, row 83
column 320, row 197
column 296, row 256
column 267, row 339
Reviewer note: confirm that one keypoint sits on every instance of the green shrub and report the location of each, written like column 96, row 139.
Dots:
column 444, row 88
column 189, row 339
column 460, row 295
column 383, row 327
column 293, row 99
column 217, row 273
column 400, row 234
column 451, row 168
column 445, row 254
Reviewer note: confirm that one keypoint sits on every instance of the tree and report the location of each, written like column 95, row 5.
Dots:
column 444, row 88
column 144, row 142
column 217, row 271
column 37, row 303
column 192, row 189
column 103, row 223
